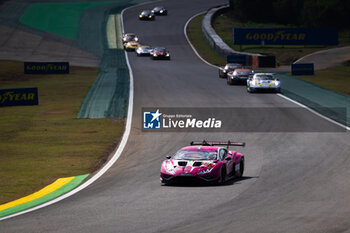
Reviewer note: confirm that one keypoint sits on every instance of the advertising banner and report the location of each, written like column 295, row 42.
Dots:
column 285, row 36
column 19, row 96
column 46, row 67
column 302, row 69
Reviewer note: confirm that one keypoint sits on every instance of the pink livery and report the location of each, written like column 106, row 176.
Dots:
column 206, row 161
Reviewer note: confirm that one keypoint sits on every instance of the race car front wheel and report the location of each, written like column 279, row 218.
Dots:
column 223, row 175
column 250, row 90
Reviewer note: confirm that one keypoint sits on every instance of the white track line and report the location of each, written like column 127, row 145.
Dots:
column 111, row 161
column 280, row 95
column 317, row 52
column 313, row 111
column 189, row 42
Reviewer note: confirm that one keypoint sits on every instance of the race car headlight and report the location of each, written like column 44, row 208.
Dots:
column 167, row 55
column 169, row 168
column 136, row 38
column 161, row 11
column 155, row 55
column 149, row 17
column 277, row 83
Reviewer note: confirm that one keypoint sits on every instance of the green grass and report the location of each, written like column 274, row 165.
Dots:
column 335, row 78
column 39, row 144
column 196, row 37
column 60, row 18
column 285, row 55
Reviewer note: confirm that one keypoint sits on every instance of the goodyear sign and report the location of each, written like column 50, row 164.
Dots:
column 46, row 67
column 303, row 69
column 285, row 36
column 18, row 96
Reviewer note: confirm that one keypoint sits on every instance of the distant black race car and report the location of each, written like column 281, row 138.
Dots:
column 228, row 68
column 146, row 15
column 160, row 53
column 159, row 10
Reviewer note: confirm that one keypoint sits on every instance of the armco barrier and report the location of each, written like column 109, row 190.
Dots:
column 220, row 46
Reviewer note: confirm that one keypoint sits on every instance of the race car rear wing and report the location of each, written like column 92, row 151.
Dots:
column 228, row 143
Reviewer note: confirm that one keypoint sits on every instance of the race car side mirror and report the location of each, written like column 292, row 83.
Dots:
column 168, row 157
column 228, row 158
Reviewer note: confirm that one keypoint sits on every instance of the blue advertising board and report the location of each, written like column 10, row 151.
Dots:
column 46, row 67
column 285, row 36
column 303, row 69
column 237, row 58
column 19, row 96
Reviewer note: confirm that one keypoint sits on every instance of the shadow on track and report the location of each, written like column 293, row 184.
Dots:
column 198, row 183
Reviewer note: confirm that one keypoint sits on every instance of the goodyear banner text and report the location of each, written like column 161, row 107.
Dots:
column 18, row 96
column 284, row 36
column 46, row 67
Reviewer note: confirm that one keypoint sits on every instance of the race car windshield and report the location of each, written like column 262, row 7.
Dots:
column 195, row 155
column 232, row 66
column 265, row 77
column 241, row 72
column 161, row 50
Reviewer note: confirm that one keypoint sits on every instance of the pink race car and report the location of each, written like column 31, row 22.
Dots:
column 206, row 161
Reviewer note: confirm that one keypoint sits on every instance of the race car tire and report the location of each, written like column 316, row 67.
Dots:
column 241, row 168
column 162, row 183
column 165, row 183
column 223, row 175
column 250, row 90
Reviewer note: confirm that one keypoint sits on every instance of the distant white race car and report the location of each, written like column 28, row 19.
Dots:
column 263, row 82
column 144, row 50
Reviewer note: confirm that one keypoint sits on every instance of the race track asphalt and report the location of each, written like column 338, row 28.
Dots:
column 294, row 182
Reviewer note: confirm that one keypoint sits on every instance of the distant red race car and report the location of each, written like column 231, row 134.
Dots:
column 160, row 53
column 205, row 161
